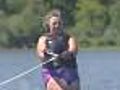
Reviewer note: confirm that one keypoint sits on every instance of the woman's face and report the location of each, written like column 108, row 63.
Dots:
column 54, row 25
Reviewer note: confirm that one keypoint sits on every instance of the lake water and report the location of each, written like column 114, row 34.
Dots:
column 97, row 70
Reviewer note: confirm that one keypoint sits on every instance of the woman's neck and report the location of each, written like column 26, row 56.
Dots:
column 52, row 35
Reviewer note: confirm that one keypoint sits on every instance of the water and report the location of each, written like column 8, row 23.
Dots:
column 100, row 70
column 97, row 70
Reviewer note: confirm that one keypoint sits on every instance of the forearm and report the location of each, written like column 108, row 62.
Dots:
column 41, row 48
column 41, row 55
column 73, row 47
column 71, row 51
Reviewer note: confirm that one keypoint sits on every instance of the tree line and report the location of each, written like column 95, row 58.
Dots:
column 95, row 23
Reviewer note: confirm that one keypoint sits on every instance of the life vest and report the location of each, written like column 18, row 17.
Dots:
column 58, row 45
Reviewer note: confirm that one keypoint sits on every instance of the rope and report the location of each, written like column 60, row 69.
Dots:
column 25, row 72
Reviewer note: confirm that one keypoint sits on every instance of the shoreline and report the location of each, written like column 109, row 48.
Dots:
column 100, row 49
column 80, row 49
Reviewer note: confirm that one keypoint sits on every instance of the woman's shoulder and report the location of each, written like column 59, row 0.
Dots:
column 42, row 38
column 69, row 35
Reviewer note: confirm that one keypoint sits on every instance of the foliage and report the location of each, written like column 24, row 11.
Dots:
column 94, row 23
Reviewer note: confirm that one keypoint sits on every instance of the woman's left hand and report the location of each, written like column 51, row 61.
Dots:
column 66, row 55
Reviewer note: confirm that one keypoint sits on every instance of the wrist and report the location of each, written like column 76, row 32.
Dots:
column 68, row 52
column 65, row 55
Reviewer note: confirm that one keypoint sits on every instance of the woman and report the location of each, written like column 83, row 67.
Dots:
column 60, row 74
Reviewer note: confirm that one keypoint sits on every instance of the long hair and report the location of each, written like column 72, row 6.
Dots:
column 54, row 12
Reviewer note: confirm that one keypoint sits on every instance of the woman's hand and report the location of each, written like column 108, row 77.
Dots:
column 66, row 55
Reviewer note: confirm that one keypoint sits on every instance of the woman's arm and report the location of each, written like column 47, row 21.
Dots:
column 73, row 47
column 71, row 52
column 41, row 47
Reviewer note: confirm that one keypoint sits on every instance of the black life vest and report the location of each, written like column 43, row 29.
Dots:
column 58, row 45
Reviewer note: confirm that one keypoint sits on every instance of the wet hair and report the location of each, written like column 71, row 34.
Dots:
column 53, row 13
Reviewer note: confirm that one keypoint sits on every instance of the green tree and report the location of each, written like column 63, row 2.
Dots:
column 113, row 31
